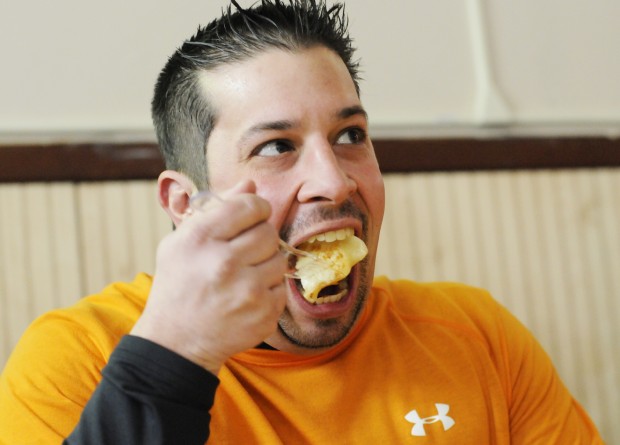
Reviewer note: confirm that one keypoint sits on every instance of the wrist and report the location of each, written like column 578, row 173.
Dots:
column 178, row 344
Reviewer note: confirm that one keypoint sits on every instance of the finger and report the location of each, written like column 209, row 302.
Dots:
column 271, row 272
column 257, row 244
column 202, row 201
column 229, row 218
column 277, row 297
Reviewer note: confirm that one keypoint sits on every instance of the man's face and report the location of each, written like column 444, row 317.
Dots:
column 292, row 122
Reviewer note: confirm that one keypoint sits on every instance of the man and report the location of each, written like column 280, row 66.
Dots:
column 263, row 108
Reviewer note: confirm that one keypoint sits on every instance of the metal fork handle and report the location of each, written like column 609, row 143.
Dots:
column 294, row 251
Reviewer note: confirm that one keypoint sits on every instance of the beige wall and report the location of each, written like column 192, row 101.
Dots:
column 74, row 65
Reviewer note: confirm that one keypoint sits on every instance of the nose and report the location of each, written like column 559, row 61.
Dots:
column 324, row 177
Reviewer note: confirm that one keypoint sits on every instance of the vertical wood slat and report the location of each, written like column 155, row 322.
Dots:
column 545, row 243
column 118, row 255
column 93, row 237
column 65, row 244
column 143, row 216
column 39, row 255
column 121, row 228
column 61, row 241
column 595, row 272
column 15, row 293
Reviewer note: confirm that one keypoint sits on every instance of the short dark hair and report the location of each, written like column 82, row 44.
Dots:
column 182, row 115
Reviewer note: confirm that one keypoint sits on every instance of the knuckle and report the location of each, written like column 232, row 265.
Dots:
column 280, row 265
column 226, row 264
column 268, row 236
column 277, row 297
column 256, row 206
column 164, row 246
column 256, row 291
column 204, row 228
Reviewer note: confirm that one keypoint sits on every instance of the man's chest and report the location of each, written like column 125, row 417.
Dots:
column 417, row 394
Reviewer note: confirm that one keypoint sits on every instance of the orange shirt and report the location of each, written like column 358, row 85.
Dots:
column 426, row 363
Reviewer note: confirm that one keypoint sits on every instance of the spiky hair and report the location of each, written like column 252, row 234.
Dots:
column 182, row 115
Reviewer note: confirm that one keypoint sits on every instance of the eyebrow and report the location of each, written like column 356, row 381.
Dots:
column 352, row 111
column 280, row 125
column 267, row 126
column 273, row 125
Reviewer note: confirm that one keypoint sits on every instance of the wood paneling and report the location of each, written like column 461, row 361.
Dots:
column 39, row 255
column 108, row 161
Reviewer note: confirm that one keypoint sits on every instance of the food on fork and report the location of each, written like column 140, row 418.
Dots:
column 325, row 281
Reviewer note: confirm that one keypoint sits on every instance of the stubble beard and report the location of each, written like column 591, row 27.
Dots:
column 328, row 332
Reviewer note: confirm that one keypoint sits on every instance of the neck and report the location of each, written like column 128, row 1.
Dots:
column 281, row 343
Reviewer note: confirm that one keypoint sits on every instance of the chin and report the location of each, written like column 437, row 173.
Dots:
column 318, row 326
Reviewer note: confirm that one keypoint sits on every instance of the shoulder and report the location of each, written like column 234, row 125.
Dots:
column 118, row 303
column 539, row 403
column 84, row 333
column 57, row 362
column 458, row 308
column 110, row 312
column 444, row 300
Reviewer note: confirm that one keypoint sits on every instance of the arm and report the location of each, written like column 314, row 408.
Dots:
column 219, row 282
column 542, row 410
column 218, row 290
column 149, row 395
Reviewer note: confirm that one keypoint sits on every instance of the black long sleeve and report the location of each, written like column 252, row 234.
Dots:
column 148, row 394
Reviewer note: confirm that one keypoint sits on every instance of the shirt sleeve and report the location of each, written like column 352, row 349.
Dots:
column 148, row 394
column 542, row 410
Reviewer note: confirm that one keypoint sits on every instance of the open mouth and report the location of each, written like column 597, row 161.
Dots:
column 327, row 280
column 328, row 294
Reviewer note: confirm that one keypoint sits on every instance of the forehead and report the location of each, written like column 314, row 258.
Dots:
column 280, row 82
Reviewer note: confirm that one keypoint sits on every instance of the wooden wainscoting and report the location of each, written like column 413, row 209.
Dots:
column 61, row 241
column 546, row 243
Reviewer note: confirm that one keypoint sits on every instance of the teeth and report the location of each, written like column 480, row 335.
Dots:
column 332, row 235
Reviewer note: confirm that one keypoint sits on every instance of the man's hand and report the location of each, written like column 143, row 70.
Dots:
column 219, row 281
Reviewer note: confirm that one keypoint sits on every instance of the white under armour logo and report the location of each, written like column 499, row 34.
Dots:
column 418, row 423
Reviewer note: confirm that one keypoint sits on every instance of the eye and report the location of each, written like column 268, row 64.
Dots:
column 354, row 135
column 273, row 148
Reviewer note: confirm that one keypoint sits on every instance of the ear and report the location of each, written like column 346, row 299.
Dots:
column 173, row 192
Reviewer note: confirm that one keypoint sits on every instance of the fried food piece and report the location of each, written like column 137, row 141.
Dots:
column 337, row 259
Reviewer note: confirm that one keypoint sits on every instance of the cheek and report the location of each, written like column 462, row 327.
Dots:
column 279, row 197
column 372, row 190
column 222, row 171
column 379, row 197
